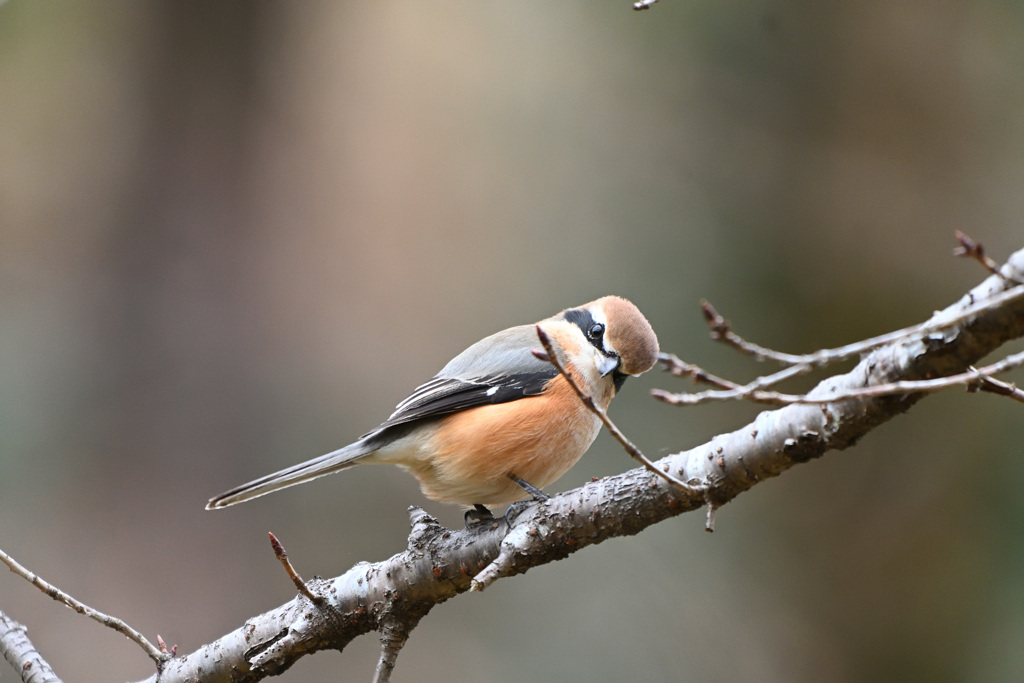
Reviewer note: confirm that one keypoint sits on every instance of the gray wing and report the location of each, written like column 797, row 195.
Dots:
column 497, row 369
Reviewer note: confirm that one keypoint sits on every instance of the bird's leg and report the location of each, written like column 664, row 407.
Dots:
column 478, row 516
column 537, row 494
column 516, row 508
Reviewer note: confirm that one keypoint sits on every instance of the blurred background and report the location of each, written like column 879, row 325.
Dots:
column 234, row 235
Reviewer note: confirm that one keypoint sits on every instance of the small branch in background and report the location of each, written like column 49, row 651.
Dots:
column 730, row 391
column 970, row 248
column 825, row 356
column 393, row 636
column 680, row 368
column 551, row 356
column 22, row 655
column 163, row 646
column 282, row 557
column 108, row 621
column 758, row 390
column 721, row 330
column 974, row 379
column 995, row 386
column 709, row 521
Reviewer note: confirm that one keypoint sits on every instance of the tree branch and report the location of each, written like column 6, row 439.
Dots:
column 21, row 654
column 282, row 557
column 969, row 248
column 974, row 379
column 60, row 596
column 440, row 563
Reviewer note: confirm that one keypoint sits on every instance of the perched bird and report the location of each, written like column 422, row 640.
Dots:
column 497, row 423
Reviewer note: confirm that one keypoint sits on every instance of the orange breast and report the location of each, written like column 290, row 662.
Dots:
column 536, row 438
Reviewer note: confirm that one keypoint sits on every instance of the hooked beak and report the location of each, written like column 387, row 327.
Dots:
column 607, row 364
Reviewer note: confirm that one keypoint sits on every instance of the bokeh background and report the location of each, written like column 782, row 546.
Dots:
column 234, row 235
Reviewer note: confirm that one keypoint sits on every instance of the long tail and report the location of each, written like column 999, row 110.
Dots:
column 296, row 474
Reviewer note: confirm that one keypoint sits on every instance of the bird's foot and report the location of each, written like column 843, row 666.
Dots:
column 478, row 517
column 516, row 508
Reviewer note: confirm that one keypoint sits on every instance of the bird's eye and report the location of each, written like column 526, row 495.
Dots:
column 596, row 331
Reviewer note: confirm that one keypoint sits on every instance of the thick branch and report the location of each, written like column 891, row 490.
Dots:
column 439, row 563
column 19, row 652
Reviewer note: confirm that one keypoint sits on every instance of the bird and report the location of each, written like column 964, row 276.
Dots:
column 499, row 422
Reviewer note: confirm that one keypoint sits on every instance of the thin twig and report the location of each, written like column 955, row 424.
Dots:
column 108, row 621
column 722, row 331
column 680, row 368
column 709, row 521
column 798, row 364
column 551, row 356
column 282, row 557
column 995, row 386
column 970, row 248
column 730, row 391
column 974, row 378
